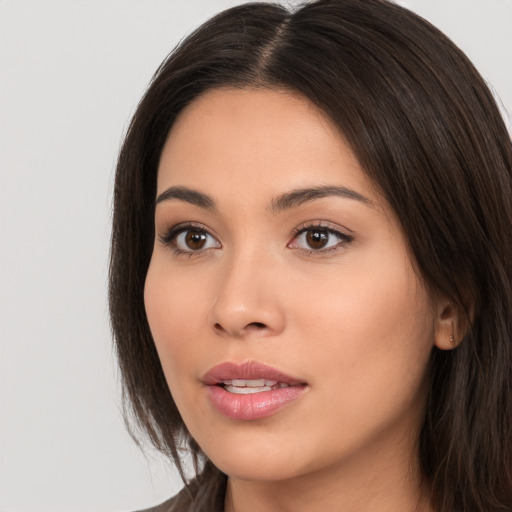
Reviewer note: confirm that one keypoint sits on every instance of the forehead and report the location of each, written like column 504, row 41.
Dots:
column 256, row 139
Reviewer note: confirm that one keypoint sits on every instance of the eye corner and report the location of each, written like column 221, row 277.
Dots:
column 320, row 238
column 180, row 237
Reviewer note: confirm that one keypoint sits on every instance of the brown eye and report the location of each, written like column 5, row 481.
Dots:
column 195, row 240
column 192, row 240
column 317, row 238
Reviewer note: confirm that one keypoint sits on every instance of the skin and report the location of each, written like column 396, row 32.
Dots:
column 353, row 320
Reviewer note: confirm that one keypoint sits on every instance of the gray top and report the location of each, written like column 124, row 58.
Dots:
column 205, row 494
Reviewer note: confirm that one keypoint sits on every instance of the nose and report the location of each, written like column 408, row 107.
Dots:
column 246, row 302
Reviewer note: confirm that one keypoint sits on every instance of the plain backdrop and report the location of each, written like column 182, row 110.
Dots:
column 71, row 74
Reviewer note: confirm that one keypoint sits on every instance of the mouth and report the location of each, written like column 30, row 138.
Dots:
column 246, row 386
column 251, row 390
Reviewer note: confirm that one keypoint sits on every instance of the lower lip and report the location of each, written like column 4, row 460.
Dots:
column 253, row 406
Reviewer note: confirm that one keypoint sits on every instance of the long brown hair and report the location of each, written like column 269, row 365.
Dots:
column 427, row 131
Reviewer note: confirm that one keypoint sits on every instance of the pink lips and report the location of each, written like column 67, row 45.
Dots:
column 255, row 405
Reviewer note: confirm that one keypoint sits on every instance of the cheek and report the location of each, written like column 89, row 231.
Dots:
column 359, row 332
column 174, row 315
column 363, row 299
column 370, row 333
column 385, row 312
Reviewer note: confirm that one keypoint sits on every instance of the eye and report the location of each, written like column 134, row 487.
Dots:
column 319, row 238
column 189, row 239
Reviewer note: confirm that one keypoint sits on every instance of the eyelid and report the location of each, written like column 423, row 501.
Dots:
column 168, row 236
column 343, row 234
column 169, row 232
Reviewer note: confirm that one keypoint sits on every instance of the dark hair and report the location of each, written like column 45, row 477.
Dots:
column 427, row 131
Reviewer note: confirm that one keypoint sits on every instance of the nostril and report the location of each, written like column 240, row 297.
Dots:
column 252, row 326
column 256, row 325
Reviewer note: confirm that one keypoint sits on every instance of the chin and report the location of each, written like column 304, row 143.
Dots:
column 259, row 460
column 257, row 469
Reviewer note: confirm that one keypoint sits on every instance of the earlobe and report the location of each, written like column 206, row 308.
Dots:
column 448, row 333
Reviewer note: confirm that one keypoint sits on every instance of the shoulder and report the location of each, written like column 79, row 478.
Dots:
column 179, row 503
column 205, row 494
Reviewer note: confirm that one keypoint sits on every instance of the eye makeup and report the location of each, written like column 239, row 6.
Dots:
column 318, row 238
column 315, row 238
column 188, row 239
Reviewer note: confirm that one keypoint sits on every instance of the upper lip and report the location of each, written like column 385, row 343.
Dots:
column 249, row 370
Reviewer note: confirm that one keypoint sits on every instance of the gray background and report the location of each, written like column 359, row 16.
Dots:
column 71, row 73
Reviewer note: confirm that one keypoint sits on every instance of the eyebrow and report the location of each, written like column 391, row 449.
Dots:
column 292, row 199
column 298, row 197
column 188, row 195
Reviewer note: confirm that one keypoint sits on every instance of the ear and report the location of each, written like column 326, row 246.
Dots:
column 448, row 331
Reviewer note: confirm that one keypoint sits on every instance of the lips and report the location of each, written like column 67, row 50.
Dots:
column 251, row 390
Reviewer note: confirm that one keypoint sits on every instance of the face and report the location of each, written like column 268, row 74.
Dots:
column 292, row 328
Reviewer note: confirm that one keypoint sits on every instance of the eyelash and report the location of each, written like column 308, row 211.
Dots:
column 168, row 238
column 343, row 238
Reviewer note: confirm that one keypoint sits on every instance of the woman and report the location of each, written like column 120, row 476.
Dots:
column 311, row 274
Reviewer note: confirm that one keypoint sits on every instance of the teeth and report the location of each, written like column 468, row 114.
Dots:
column 247, row 386
column 256, row 383
column 247, row 390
